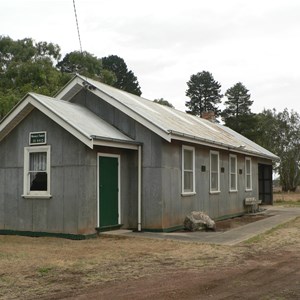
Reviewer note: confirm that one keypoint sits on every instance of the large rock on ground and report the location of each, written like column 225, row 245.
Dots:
column 198, row 220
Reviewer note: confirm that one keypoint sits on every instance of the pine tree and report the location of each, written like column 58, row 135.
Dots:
column 204, row 93
column 237, row 115
column 238, row 102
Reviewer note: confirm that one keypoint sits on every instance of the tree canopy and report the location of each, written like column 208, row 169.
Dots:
column 29, row 66
column 86, row 64
column 238, row 101
column 204, row 92
column 125, row 79
column 279, row 132
column 237, row 113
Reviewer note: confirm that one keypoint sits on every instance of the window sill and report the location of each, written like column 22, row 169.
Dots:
column 188, row 194
column 233, row 191
column 250, row 190
column 36, row 196
column 215, row 192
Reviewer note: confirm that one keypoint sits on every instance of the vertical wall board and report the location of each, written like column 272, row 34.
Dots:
column 255, row 177
column 80, row 97
column 223, row 205
column 25, row 206
column 125, row 178
column 213, row 211
column 100, row 108
column 152, row 202
column 129, row 189
column 189, row 204
column 39, row 215
column 12, row 151
column 11, row 197
column 156, row 151
column 71, row 151
column 55, row 213
column 3, row 153
column 110, row 114
column 171, row 184
column 87, row 199
column 2, row 191
column 127, row 124
column 171, row 198
column 202, row 178
column 204, row 192
column 241, row 180
column 145, row 136
column 234, row 206
column 70, row 200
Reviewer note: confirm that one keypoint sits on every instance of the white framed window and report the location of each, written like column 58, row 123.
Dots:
column 36, row 172
column 214, row 172
column 188, row 170
column 232, row 173
column 248, row 173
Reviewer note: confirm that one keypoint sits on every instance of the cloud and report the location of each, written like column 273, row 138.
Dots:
column 165, row 42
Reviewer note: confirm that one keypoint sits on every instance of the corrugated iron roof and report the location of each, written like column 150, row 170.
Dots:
column 81, row 119
column 78, row 120
column 180, row 124
column 168, row 122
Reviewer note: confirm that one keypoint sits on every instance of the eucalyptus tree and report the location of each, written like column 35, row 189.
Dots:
column 26, row 65
column 279, row 132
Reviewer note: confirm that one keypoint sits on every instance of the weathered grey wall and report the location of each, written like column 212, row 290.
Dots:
column 151, row 163
column 226, row 203
column 72, row 208
column 163, row 205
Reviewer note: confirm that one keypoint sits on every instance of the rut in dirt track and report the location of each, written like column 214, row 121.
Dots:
column 271, row 276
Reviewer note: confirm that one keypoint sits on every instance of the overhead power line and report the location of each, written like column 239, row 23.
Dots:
column 77, row 26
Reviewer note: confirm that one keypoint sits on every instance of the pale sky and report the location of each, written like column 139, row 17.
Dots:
column 164, row 42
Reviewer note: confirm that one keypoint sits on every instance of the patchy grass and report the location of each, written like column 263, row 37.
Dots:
column 280, row 237
column 32, row 268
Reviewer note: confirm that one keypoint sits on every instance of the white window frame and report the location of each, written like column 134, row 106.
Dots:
column 233, row 172
column 26, row 180
column 248, row 173
column 184, row 191
column 217, row 190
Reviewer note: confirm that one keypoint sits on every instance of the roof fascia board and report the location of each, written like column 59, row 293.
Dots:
column 78, row 79
column 16, row 111
column 68, row 127
column 222, row 147
column 198, row 141
column 68, row 87
column 115, row 144
column 17, row 114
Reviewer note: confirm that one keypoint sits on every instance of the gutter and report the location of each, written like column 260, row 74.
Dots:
column 238, row 149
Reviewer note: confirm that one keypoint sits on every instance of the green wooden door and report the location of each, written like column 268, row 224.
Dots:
column 108, row 191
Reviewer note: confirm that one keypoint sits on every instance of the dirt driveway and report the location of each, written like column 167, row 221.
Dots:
column 265, row 278
column 266, row 267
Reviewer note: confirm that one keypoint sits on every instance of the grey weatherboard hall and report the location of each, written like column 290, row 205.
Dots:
column 95, row 158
